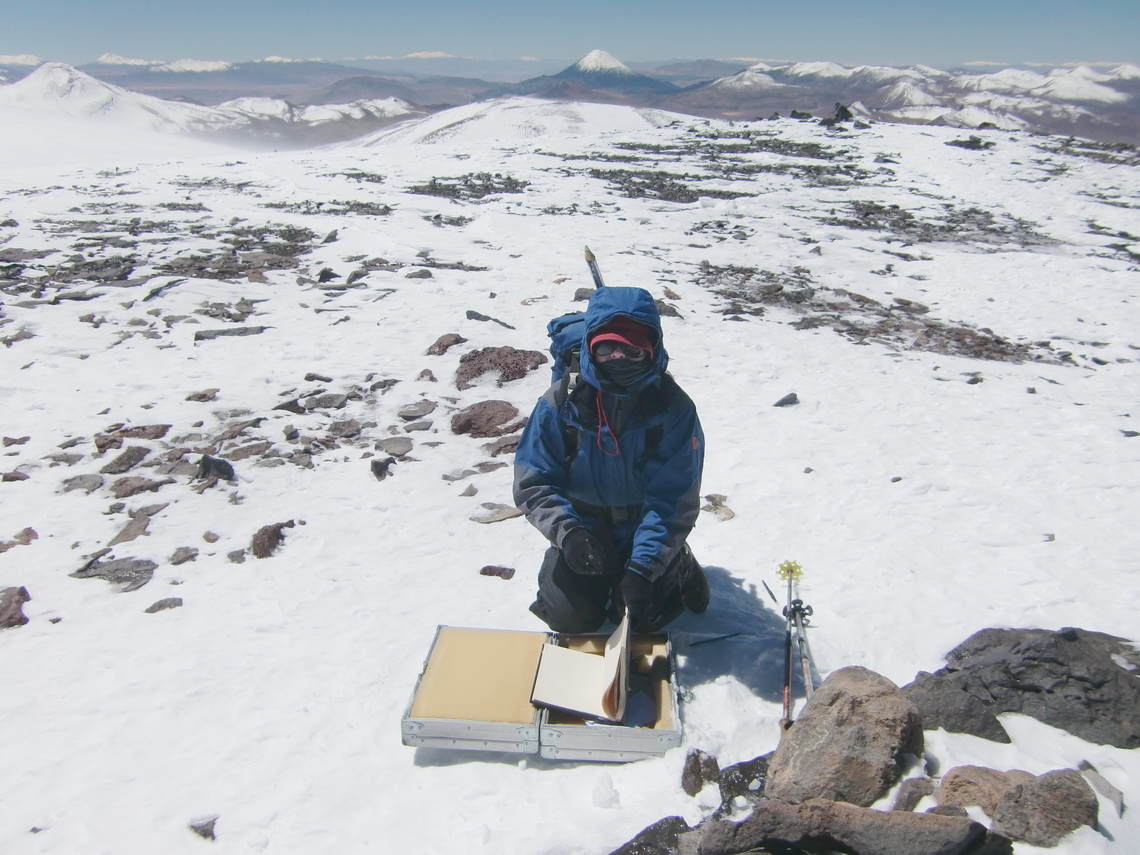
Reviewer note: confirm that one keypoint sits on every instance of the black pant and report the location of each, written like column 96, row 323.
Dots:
column 572, row 603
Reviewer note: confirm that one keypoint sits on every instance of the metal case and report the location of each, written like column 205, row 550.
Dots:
column 474, row 694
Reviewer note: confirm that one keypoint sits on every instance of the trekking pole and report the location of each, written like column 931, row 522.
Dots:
column 786, row 718
column 592, row 263
column 801, row 616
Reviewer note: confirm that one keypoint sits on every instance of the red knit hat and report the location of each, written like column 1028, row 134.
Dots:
column 627, row 331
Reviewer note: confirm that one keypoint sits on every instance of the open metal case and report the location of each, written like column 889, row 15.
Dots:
column 474, row 694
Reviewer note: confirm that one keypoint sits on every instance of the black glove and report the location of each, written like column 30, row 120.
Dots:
column 637, row 594
column 583, row 553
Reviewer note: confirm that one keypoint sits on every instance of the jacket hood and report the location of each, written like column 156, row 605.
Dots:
column 607, row 304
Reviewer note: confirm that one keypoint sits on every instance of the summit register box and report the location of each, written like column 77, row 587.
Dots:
column 475, row 694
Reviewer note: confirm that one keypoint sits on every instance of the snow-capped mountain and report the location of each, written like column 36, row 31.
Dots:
column 61, row 89
column 599, row 70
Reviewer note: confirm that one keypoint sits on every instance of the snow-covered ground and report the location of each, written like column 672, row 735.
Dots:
column 923, row 504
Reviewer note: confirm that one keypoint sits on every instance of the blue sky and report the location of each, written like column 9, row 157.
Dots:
column 941, row 33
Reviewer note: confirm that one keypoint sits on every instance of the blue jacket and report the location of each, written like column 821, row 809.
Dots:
column 643, row 453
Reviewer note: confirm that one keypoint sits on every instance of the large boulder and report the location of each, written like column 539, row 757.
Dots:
column 1044, row 810
column 819, row 825
column 1072, row 679
column 945, row 704
column 848, row 743
column 967, row 786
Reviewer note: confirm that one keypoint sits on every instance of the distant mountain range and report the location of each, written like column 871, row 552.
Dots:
column 275, row 97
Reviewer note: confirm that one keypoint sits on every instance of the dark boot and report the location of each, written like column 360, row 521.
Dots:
column 694, row 584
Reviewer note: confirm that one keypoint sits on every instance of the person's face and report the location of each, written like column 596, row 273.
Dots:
column 607, row 351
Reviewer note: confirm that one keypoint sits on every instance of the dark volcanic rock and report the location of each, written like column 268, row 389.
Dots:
column 1072, row 679
column 129, row 574
column 848, row 742
column 132, row 485
column 700, row 768
column 486, row 419
column 968, row 786
column 163, row 605
column 1047, row 808
column 268, row 538
column 511, row 364
column 911, row 792
column 658, row 839
column 86, row 483
column 444, row 342
column 12, row 607
column 945, row 704
column 126, row 461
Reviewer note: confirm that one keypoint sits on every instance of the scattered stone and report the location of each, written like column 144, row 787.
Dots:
column 143, row 432
column 510, row 363
column 183, row 554
column 848, row 742
column 132, row 485
column 204, row 827
column 9, row 441
column 210, row 537
column 236, row 429
column 496, row 513
column 700, row 768
column 254, row 449
column 163, row 605
column 477, row 316
column 209, row 335
column 237, row 556
column 743, row 780
column 129, row 574
column 422, row 273
column 22, row 538
column 1102, row 786
column 486, row 419
column 942, row 704
column 135, row 528
column 1044, row 810
column 911, row 792
column 717, row 507
column 292, row 406
column 380, row 468
column 268, row 538
column 417, row 410
column 444, row 342
column 789, row 400
column 12, row 607
column 494, row 570
column 470, row 490
column 969, row 786
column 126, row 461
column 382, row 386
column 1072, row 679
column 505, row 445
column 426, row 376
column 11, row 477
column 87, row 483
column 214, row 467
column 203, row 397
column 327, row 401
column 397, row 446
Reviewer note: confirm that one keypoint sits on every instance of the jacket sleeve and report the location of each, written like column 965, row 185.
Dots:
column 541, row 474
column 672, row 491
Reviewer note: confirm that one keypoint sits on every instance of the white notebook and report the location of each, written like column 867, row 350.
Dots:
column 585, row 683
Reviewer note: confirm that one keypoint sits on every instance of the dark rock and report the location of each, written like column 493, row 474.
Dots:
column 135, row 528
column 944, row 704
column 789, row 400
column 143, row 432
column 911, row 792
column 203, row 397
column 312, row 377
column 444, row 342
column 86, row 483
column 743, row 780
column 163, row 605
column 292, row 406
column 209, row 335
column 700, row 768
column 582, row 295
column 486, row 419
column 204, row 827
column 507, row 573
column 10, row 477
column 328, row 401
column 129, row 574
column 9, row 441
column 254, row 449
column 948, row 810
column 183, row 554
column 1047, row 808
column 819, row 825
column 505, row 445
column 969, row 786
column 23, row 537
column 472, row 315
column 126, row 461
column 511, row 364
column 346, row 429
column 236, row 429
column 422, row 273
column 268, row 538
column 1071, row 679
column 397, row 446
column 657, row 839
column 12, row 607
column 132, row 485
column 210, row 537
column 417, row 410
column 848, row 742
column 1102, row 786
column 380, row 468
column 427, row 376
column 214, row 467
column 237, row 556
column 382, row 386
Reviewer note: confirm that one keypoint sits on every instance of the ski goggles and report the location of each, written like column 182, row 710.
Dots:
column 609, row 348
